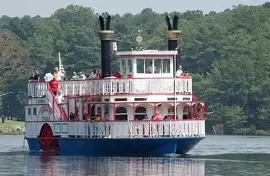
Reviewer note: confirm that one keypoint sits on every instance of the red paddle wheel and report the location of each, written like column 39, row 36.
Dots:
column 46, row 139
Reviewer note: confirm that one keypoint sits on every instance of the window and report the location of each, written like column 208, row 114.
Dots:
column 124, row 67
column 121, row 113
column 34, row 111
column 140, row 113
column 140, row 65
column 166, row 65
column 29, row 111
column 149, row 66
column 129, row 66
column 158, row 66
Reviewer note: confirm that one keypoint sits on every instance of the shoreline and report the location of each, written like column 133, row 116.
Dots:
column 12, row 127
column 17, row 131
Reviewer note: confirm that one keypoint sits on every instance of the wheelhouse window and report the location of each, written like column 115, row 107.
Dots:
column 149, row 66
column 140, row 113
column 124, row 67
column 153, row 66
column 140, row 65
column 121, row 113
column 166, row 65
column 158, row 66
column 129, row 66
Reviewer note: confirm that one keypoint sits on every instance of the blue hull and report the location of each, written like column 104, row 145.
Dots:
column 186, row 144
column 121, row 147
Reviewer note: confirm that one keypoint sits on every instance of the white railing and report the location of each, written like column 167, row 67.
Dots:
column 37, row 89
column 132, row 129
column 117, row 86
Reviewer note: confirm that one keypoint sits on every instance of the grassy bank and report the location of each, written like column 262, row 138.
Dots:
column 11, row 127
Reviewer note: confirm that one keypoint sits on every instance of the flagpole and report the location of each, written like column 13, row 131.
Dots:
column 59, row 61
column 174, row 65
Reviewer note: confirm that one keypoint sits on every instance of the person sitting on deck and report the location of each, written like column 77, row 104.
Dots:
column 96, row 118
column 31, row 79
column 54, row 84
column 92, row 74
column 57, row 74
column 98, row 74
column 34, row 77
column 82, row 76
column 157, row 117
column 75, row 76
column 85, row 117
column 63, row 74
column 72, row 116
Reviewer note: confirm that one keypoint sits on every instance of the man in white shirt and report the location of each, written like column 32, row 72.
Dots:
column 179, row 72
column 150, row 68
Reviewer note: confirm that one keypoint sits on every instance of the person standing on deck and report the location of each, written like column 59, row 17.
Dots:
column 179, row 72
column 54, row 84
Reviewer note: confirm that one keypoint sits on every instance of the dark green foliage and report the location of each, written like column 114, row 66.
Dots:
column 227, row 54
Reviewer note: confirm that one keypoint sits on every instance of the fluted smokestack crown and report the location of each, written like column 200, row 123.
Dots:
column 105, row 36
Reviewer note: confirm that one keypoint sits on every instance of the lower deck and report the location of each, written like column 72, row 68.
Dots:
column 119, row 129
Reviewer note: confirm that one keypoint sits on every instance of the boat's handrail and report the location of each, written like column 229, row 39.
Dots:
column 118, row 86
column 131, row 129
column 56, row 108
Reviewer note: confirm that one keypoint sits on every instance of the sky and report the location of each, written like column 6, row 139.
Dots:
column 45, row 8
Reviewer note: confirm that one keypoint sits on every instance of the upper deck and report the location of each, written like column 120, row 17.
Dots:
column 113, row 86
column 146, row 72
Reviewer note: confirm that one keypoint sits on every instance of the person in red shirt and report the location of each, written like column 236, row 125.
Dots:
column 54, row 85
column 98, row 74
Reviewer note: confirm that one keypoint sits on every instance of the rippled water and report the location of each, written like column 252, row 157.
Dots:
column 215, row 155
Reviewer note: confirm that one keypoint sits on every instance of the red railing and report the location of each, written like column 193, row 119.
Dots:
column 55, row 106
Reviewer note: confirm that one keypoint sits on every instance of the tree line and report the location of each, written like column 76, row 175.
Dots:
column 227, row 53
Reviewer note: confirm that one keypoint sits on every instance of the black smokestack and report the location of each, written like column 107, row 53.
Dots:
column 173, row 35
column 105, row 37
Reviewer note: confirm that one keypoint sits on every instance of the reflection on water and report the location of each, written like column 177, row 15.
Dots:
column 214, row 156
column 118, row 166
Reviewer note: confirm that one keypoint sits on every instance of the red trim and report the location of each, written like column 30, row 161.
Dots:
column 142, row 56
column 86, row 80
column 118, row 121
column 127, row 94
column 35, row 105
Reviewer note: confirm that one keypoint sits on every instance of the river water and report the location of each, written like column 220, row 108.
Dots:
column 214, row 156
